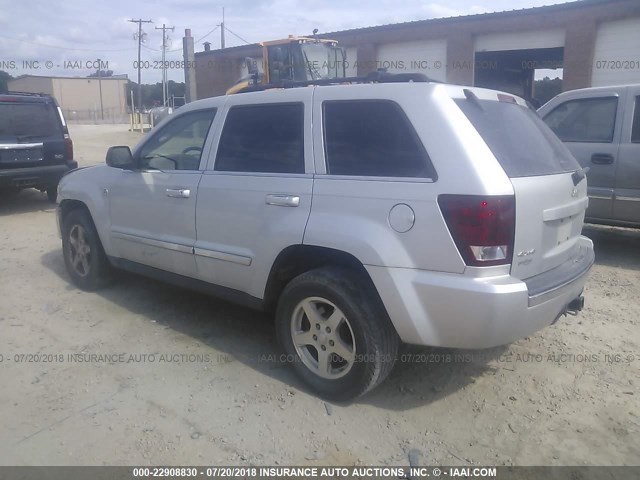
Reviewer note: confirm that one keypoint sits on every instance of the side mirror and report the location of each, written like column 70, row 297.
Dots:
column 120, row 157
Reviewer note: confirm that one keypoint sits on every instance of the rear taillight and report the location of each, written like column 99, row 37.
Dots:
column 68, row 147
column 482, row 227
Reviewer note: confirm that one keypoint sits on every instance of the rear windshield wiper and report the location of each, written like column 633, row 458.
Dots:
column 473, row 98
column 579, row 175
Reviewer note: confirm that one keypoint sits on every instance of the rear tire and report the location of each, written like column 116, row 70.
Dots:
column 84, row 256
column 336, row 332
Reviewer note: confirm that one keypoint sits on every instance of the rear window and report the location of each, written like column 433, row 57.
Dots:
column 372, row 138
column 518, row 138
column 28, row 121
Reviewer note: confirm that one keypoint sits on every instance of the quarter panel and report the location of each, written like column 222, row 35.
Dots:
column 353, row 216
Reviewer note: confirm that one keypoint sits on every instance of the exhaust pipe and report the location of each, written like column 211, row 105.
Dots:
column 575, row 305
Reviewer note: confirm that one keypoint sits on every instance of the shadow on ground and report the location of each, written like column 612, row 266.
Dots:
column 421, row 376
column 25, row 201
column 615, row 247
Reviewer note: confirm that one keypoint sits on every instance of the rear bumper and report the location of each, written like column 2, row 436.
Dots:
column 34, row 176
column 458, row 311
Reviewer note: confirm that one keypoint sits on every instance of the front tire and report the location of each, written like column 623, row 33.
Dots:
column 333, row 326
column 84, row 256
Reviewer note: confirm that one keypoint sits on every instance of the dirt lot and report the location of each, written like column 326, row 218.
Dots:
column 197, row 380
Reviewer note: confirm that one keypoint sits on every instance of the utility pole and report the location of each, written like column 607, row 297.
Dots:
column 100, row 87
column 222, row 30
column 139, row 22
column 165, row 89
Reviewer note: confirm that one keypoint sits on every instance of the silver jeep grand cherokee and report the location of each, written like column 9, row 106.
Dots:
column 364, row 215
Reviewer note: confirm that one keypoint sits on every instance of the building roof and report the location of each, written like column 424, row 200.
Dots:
column 546, row 9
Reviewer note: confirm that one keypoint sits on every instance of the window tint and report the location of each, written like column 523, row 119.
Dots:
column 518, row 138
column 372, row 138
column 265, row 138
column 31, row 120
column 178, row 145
column 586, row 120
column 635, row 128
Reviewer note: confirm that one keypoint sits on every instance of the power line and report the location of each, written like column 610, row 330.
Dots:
column 238, row 36
column 139, row 22
column 195, row 41
column 205, row 36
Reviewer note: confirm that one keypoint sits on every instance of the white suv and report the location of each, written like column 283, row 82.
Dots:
column 364, row 215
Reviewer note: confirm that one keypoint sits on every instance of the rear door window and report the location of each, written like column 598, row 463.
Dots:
column 518, row 138
column 372, row 138
column 25, row 121
column 266, row 138
column 590, row 120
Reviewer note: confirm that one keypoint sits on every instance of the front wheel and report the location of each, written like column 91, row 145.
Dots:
column 333, row 326
column 84, row 256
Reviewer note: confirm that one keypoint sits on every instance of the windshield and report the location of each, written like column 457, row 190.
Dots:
column 24, row 121
column 519, row 139
column 323, row 61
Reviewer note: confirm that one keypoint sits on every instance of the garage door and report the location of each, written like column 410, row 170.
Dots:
column 351, row 66
column 428, row 57
column 616, row 60
column 495, row 42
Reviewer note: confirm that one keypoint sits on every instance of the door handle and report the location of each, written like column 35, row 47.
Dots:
column 282, row 200
column 178, row 192
column 602, row 159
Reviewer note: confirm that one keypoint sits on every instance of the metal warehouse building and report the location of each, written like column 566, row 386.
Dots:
column 595, row 42
column 81, row 98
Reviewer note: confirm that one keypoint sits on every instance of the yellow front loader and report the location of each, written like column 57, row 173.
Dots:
column 294, row 59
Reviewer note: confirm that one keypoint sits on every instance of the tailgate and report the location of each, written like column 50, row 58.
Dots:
column 549, row 185
column 31, row 134
column 550, row 212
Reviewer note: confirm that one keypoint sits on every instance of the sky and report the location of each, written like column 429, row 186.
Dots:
column 67, row 39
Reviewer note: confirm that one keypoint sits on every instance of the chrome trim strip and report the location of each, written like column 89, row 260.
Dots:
column 257, row 174
column 600, row 197
column 20, row 146
column 364, row 178
column 226, row 257
column 176, row 247
column 629, row 199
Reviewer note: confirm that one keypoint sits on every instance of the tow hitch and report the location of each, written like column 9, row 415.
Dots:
column 572, row 308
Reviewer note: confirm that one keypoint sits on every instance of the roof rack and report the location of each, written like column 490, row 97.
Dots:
column 378, row 76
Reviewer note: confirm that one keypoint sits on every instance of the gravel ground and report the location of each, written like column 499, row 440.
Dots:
column 194, row 380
